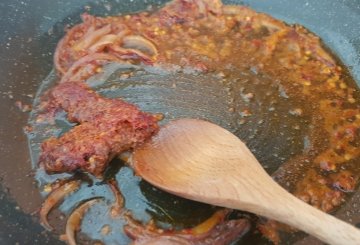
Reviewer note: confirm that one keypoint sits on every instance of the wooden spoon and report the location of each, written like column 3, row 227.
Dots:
column 201, row 161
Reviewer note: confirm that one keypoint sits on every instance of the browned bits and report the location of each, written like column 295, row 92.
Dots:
column 245, row 113
column 296, row 112
column 105, row 230
column 327, row 165
column 314, row 189
column 22, row 107
column 344, row 181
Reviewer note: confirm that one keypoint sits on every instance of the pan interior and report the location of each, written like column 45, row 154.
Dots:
column 253, row 106
column 266, row 112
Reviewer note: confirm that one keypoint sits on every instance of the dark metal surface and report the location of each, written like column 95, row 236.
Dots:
column 30, row 30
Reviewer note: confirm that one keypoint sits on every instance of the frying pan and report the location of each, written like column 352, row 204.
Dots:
column 30, row 30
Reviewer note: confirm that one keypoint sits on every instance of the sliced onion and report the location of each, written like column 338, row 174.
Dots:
column 90, row 59
column 127, row 53
column 109, row 39
column 74, row 221
column 54, row 198
column 91, row 37
column 140, row 43
column 118, row 204
column 103, row 42
column 215, row 230
column 61, row 48
column 210, row 223
column 64, row 54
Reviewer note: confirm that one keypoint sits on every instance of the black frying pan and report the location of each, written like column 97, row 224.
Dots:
column 29, row 32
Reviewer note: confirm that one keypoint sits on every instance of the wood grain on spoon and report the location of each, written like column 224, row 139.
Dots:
column 201, row 161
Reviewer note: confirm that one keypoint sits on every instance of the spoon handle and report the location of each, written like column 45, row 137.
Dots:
column 317, row 223
column 290, row 210
column 269, row 199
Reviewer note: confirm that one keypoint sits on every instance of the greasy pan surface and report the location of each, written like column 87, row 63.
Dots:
column 30, row 31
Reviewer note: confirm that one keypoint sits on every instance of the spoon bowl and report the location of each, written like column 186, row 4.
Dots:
column 201, row 161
